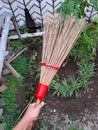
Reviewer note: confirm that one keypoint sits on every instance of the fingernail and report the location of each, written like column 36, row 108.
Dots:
column 42, row 103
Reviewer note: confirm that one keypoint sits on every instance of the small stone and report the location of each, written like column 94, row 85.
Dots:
column 89, row 97
column 54, row 110
column 92, row 89
column 64, row 64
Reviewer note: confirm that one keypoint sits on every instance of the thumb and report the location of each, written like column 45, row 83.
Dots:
column 41, row 105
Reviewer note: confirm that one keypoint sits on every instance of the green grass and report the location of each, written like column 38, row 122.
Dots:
column 25, row 66
column 11, row 110
column 21, row 66
column 72, row 85
column 74, row 127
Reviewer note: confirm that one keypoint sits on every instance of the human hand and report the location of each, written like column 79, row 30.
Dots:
column 33, row 111
column 31, row 115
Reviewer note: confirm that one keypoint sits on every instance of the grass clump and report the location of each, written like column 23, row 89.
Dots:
column 74, row 127
column 21, row 65
column 15, row 44
column 72, row 85
column 11, row 110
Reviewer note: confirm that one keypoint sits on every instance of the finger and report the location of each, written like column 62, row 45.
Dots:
column 32, row 105
column 41, row 105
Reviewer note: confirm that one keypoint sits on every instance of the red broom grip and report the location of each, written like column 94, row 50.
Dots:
column 41, row 91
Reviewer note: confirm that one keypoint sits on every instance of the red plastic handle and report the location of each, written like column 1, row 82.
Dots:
column 41, row 91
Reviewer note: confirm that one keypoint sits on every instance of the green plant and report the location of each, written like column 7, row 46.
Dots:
column 66, row 87
column 27, row 66
column 32, row 42
column 11, row 110
column 35, row 67
column 86, row 45
column 76, row 7
column 74, row 127
column 15, row 44
column 21, row 65
column 43, row 125
column 86, row 69
column 95, row 19
column 24, row 30
column 72, row 85
column 83, row 52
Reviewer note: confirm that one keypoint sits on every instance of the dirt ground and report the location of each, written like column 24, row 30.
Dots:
column 82, row 110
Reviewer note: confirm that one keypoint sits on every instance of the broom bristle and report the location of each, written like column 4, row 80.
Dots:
column 59, row 38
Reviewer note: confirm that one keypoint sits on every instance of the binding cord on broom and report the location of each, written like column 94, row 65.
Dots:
column 43, row 88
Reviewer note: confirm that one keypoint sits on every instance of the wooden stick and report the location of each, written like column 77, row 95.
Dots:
column 12, row 70
column 13, row 58
column 3, row 41
column 25, row 108
column 16, row 27
column 38, row 34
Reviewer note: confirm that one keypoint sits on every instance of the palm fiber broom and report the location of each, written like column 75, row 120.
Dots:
column 59, row 38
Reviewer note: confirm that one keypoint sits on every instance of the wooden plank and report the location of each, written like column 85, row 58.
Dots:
column 3, row 41
column 16, row 27
column 13, row 58
column 12, row 70
column 38, row 34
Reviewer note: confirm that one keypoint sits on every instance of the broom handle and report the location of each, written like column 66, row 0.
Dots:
column 40, row 95
column 33, row 123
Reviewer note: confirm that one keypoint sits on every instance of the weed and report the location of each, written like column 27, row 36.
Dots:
column 16, row 46
column 32, row 42
column 85, row 70
column 72, row 85
column 21, row 65
column 24, row 30
column 26, row 66
column 36, row 72
column 43, row 125
column 11, row 110
column 76, row 7
column 84, row 47
column 74, row 127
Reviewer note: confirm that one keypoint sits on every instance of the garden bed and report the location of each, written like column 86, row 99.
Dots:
column 59, row 113
column 81, row 111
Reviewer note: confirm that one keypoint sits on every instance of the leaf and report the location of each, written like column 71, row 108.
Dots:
column 95, row 4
